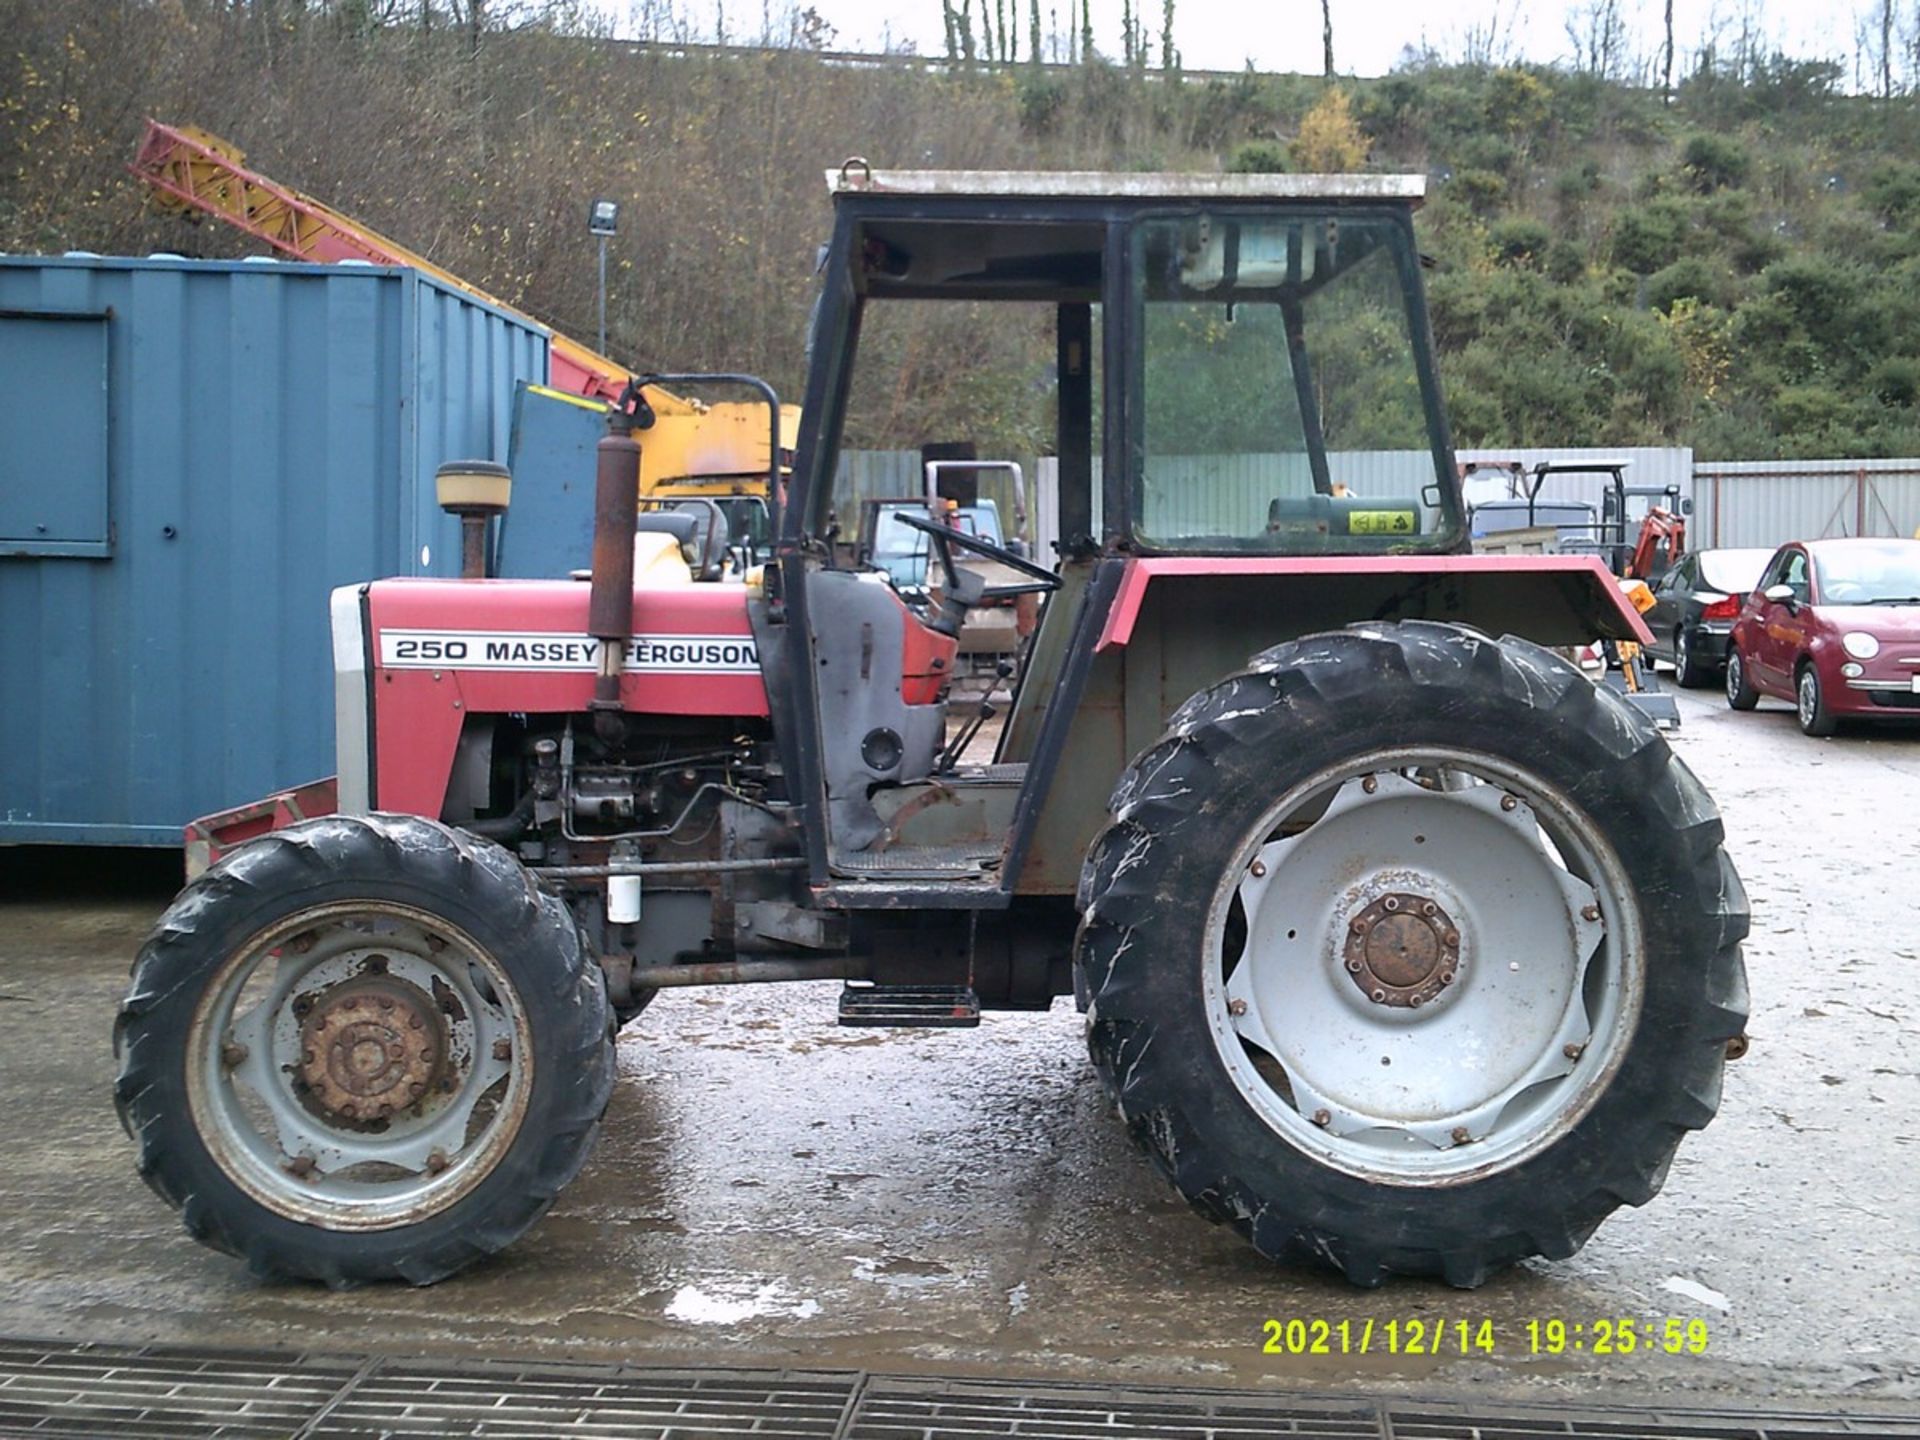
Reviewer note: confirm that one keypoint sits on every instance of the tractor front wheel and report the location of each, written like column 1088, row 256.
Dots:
column 1411, row 951
column 363, row 1048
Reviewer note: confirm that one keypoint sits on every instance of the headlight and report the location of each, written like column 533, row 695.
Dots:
column 1860, row 645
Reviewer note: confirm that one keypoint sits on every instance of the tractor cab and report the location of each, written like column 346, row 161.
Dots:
column 1248, row 444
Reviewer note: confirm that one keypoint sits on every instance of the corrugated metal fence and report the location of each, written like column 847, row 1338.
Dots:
column 1760, row 503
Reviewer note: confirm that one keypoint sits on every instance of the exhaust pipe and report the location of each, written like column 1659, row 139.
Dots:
column 616, row 509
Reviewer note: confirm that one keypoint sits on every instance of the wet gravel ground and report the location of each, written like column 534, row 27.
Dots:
column 772, row 1190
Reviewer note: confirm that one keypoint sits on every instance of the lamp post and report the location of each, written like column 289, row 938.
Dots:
column 603, row 218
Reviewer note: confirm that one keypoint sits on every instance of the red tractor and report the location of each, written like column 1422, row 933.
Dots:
column 1402, row 947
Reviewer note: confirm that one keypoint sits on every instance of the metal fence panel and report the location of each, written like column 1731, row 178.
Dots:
column 1762, row 503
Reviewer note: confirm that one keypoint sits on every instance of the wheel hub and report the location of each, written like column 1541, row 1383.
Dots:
column 1402, row 950
column 370, row 1047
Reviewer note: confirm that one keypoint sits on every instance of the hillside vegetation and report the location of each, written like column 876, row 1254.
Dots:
column 1737, row 269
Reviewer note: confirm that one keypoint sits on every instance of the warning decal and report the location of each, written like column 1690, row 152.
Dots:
column 545, row 650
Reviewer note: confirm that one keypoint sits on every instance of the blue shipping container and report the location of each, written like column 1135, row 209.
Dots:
column 192, row 455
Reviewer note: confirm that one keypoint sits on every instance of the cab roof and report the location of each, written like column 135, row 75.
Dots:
column 855, row 177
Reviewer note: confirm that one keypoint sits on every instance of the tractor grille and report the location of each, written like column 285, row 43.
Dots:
column 71, row 1390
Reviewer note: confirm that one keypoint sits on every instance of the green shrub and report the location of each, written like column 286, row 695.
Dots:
column 1896, row 381
column 1689, row 277
column 1259, row 157
column 1482, row 190
column 1520, row 242
column 1713, row 162
column 1649, row 237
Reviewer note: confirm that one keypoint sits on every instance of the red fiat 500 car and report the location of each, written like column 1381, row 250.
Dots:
column 1833, row 626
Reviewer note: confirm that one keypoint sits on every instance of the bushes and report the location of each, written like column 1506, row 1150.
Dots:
column 1714, row 162
column 1649, row 237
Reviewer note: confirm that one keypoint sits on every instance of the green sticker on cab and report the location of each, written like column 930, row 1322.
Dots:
column 1380, row 522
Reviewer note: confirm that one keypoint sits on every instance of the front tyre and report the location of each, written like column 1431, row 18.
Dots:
column 1411, row 951
column 363, row 1048
column 1740, row 692
column 1810, row 703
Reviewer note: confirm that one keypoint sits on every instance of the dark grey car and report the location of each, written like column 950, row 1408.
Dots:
column 1694, row 606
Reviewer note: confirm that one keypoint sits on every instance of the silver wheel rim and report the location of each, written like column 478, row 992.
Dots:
column 1808, row 697
column 442, row 1099
column 1680, row 652
column 1733, row 675
column 1420, row 1073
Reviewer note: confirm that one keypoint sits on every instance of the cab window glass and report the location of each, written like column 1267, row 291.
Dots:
column 1283, row 400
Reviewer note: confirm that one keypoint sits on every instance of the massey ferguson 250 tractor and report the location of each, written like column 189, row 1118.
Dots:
column 1401, row 946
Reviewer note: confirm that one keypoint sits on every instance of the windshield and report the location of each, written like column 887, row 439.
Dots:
column 1873, row 572
column 1733, row 572
column 1285, row 409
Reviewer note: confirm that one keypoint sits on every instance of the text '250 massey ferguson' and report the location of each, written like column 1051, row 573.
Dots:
column 1401, row 947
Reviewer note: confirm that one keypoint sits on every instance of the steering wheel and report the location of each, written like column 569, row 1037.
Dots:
column 944, row 537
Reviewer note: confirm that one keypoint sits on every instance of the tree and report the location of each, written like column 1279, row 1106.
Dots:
column 1330, row 139
column 1666, row 58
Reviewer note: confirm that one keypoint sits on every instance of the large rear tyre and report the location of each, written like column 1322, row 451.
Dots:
column 1412, row 952
column 363, row 1048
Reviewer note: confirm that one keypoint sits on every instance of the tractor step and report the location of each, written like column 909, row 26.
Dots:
column 911, row 1007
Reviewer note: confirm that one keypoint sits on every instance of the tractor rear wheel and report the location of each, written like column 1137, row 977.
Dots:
column 363, row 1048
column 1411, row 951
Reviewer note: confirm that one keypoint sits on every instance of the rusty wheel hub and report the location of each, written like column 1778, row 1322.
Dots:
column 1402, row 950
column 371, row 1047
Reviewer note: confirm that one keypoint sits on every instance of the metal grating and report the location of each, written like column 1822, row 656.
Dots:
column 91, row 1391
column 404, row 1400
column 898, row 1408
column 76, row 1390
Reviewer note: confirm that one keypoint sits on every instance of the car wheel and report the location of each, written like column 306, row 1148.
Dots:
column 1740, row 693
column 1687, row 670
column 1810, row 702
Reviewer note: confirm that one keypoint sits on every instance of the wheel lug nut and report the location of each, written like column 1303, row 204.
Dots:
column 1446, row 977
column 1429, row 908
column 300, row 1166
column 350, row 1110
column 1353, row 967
column 437, row 1161
column 417, row 1089
column 1509, row 803
column 1392, row 902
column 1234, row 1007
column 1359, row 926
column 1257, row 869
column 1378, row 996
column 1322, row 1118
column 1461, row 1135
column 503, row 1047
column 1573, row 1052
column 1452, row 938
column 1590, row 912
column 232, row 1053
column 1370, row 784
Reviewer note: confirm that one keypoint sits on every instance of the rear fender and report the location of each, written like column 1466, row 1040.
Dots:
column 1549, row 599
